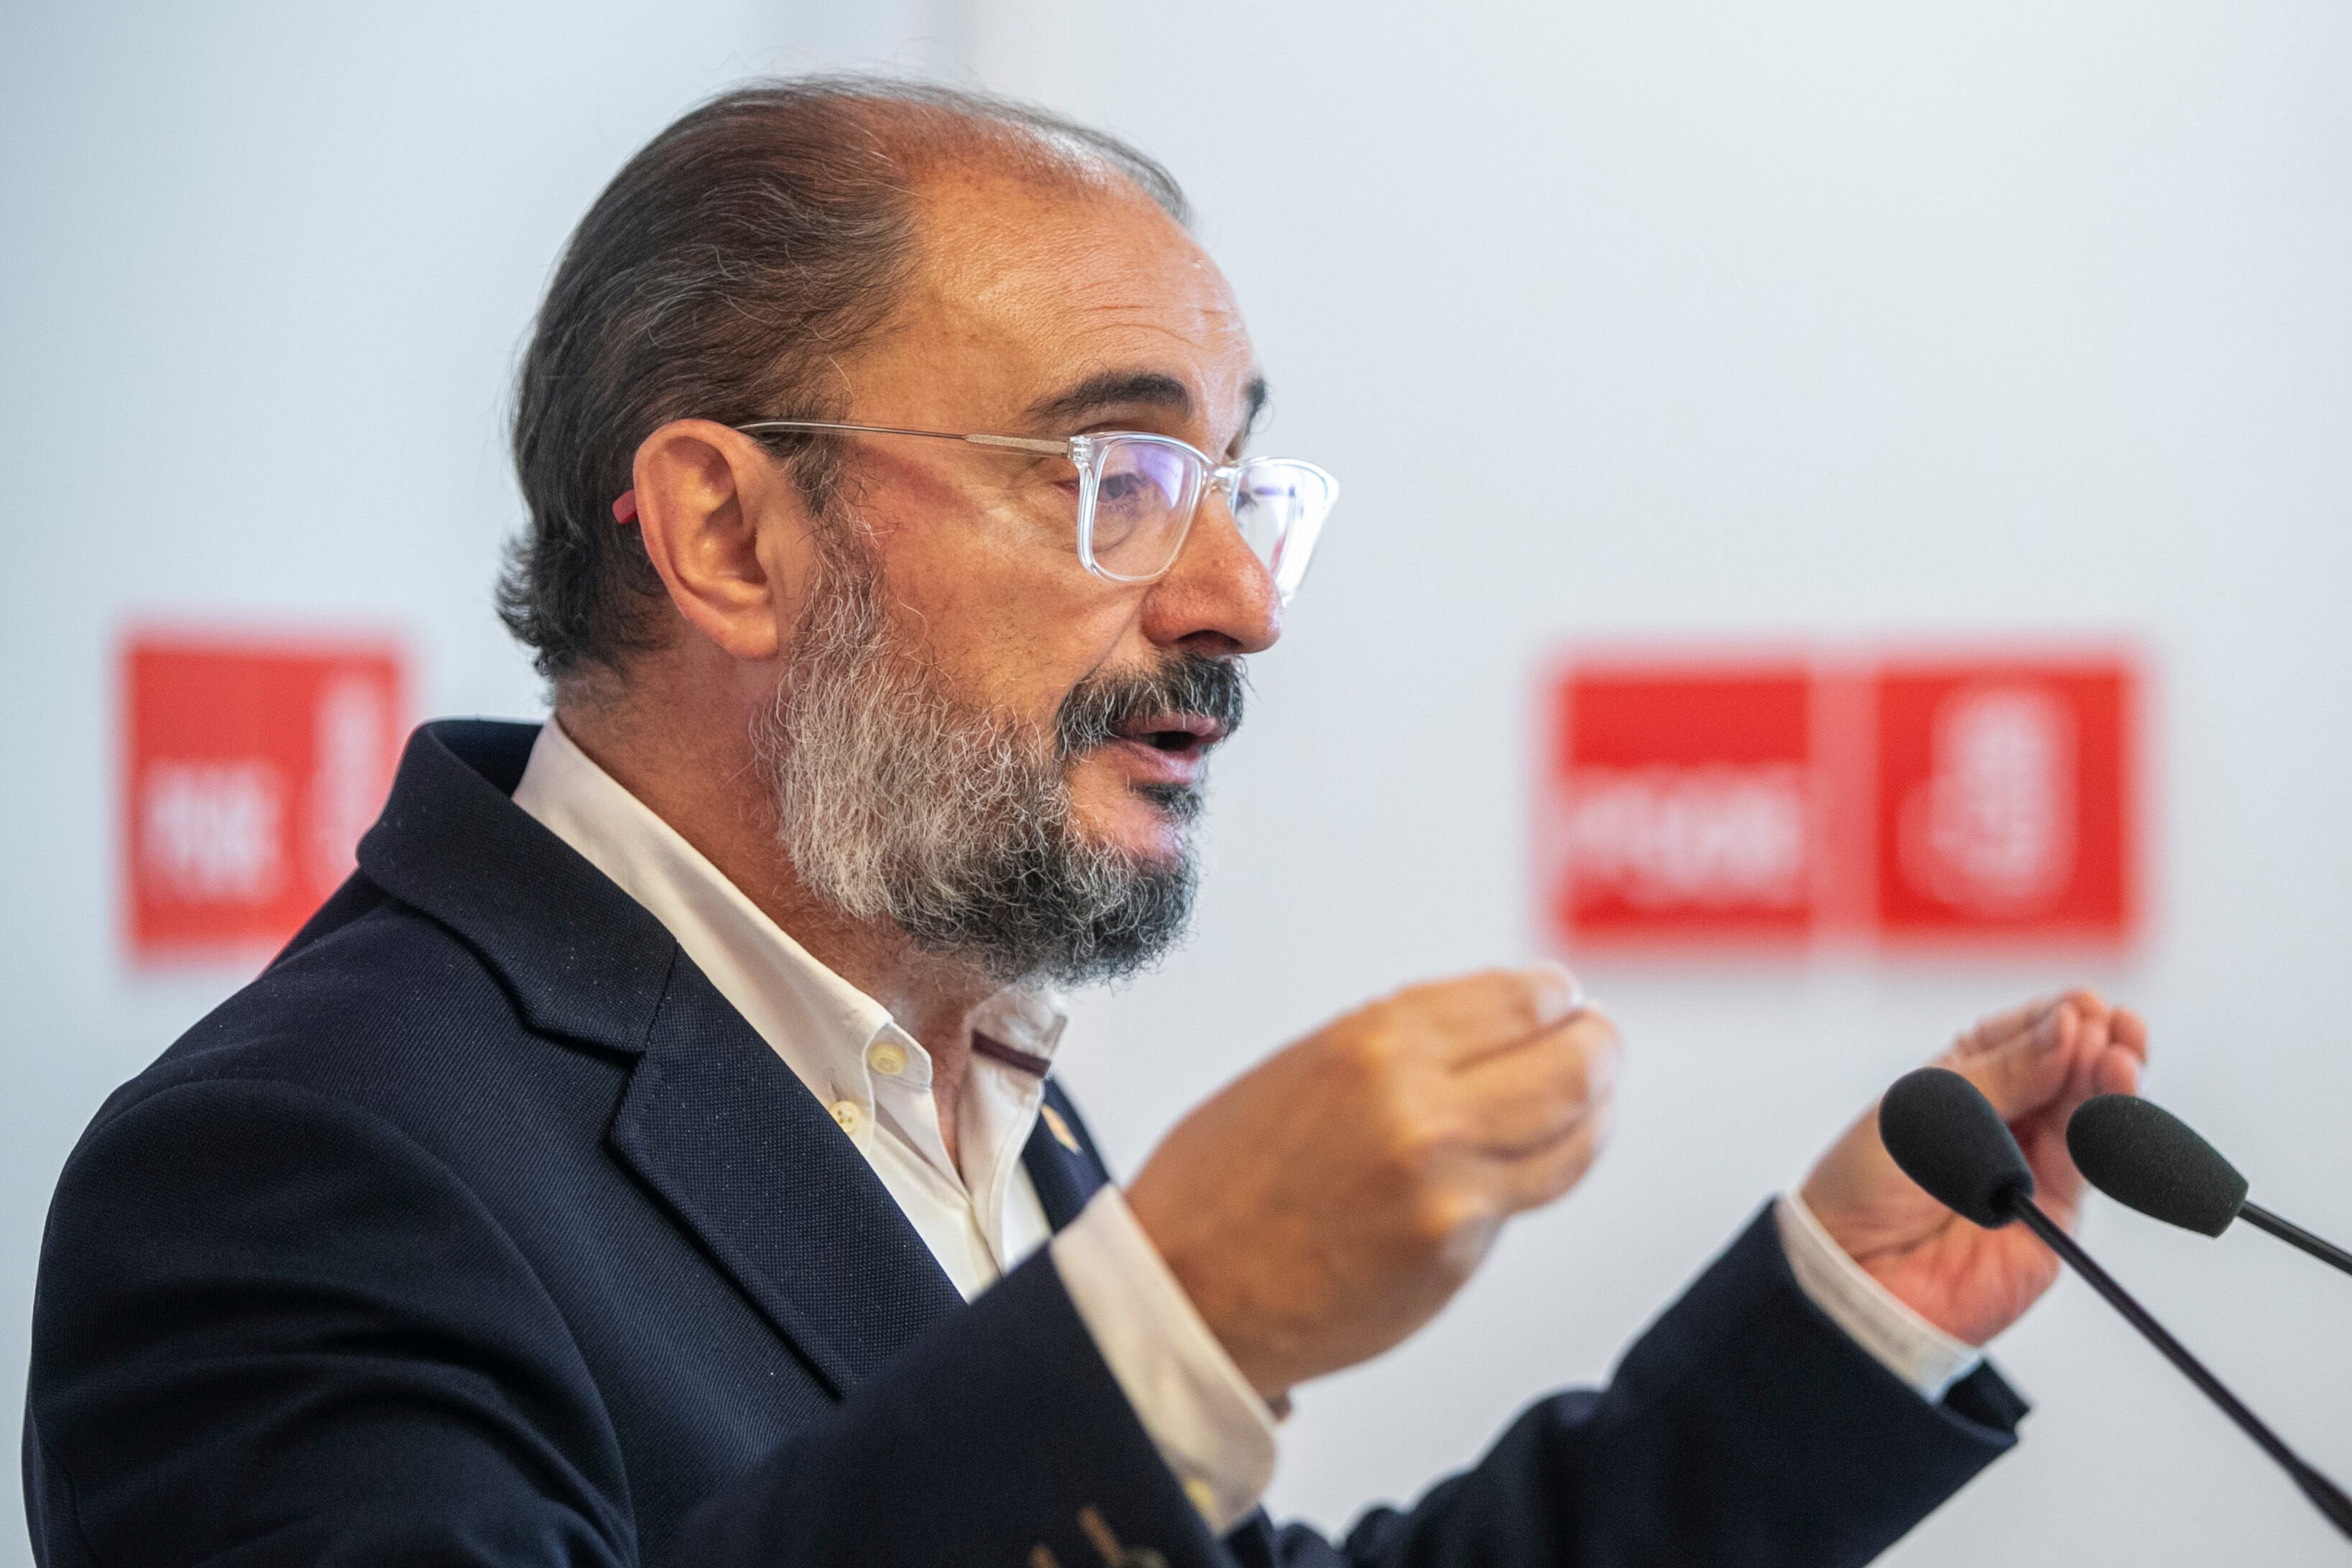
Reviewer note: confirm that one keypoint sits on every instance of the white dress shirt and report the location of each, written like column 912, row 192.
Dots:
column 978, row 1212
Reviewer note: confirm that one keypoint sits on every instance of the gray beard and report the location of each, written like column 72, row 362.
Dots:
column 899, row 801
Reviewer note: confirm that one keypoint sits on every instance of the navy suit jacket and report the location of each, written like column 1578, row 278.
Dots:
column 481, row 1230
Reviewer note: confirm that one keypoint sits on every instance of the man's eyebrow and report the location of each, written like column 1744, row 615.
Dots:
column 1133, row 388
column 1115, row 389
column 1255, row 392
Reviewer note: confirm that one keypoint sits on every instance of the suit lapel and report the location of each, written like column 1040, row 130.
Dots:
column 752, row 1164
column 749, row 1161
column 712, row 1121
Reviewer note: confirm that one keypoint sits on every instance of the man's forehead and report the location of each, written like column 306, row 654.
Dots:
column 1073, row 302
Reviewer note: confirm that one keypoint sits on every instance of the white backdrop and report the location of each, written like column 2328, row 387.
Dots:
column 1651, row 321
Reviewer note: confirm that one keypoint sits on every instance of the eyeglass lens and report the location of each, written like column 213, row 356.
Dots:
column 1280, row 507
column 1144, row 493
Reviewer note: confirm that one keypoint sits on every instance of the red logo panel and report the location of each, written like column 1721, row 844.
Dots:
column 2004, row 800
column 250, row 769
column 1685, row 807
column 1958, row 800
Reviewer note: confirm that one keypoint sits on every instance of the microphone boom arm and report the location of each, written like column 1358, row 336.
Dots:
column 2322, row 1491
column 2294, row 1234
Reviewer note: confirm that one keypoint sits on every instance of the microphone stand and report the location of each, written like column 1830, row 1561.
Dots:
column 2322, row 1491
column 2294, row 1234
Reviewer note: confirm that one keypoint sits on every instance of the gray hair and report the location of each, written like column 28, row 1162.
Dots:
column 898, row 798
column 751, row 243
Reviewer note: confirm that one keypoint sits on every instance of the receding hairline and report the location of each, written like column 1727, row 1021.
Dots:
column 944, row 160
column 722, row 272
column 934, row 133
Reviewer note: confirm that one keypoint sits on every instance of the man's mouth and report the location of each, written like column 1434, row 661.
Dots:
column 1165, row 748
column 1175, row 734
column 1158, row 728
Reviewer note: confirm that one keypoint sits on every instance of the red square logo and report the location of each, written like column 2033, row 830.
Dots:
column 250, row 771
column 1680, row 803
column 2005, row 800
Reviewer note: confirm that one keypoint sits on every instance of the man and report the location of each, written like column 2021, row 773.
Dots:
column 651, row 1155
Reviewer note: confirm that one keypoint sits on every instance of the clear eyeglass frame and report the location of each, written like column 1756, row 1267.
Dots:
column 1138, row 495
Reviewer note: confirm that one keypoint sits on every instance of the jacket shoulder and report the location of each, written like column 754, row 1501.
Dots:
column 386, row 1008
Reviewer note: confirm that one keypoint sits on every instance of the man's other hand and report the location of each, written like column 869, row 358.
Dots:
column 2036, row 1065
column 1325, row 1205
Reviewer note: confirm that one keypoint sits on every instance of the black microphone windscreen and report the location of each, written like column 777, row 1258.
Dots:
column 1947, row 1137
column 2145, row 1158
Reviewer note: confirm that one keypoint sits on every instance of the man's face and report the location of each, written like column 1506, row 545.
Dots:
column 978, row 737
column 1039, row 312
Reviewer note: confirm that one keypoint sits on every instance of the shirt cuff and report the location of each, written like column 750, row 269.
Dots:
column 1200, row 1412
column 1874, row 1317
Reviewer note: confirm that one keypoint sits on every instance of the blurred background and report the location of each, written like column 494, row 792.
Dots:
column 1824, row 333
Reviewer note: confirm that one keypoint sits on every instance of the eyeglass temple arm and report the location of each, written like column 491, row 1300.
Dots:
column 1022, row 443
column 1018, row 443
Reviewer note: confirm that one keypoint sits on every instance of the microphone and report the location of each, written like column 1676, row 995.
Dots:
column 1947, row 1137
column 2147, row 1159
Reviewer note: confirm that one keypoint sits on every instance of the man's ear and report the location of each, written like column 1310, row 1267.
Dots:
column 703, row 494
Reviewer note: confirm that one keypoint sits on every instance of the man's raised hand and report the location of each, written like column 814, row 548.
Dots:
column 2035, row 1064
column 1326, row 1205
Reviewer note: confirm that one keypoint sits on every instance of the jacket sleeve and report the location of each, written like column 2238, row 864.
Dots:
column 1742, row 1428
column 270, row 1329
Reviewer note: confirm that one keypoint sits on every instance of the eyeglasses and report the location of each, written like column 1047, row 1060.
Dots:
column 1137, row 494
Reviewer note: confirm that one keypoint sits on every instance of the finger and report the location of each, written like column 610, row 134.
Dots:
column 1522, row 1098
column 1532, row 1180
column 2082, row 1052
column 2028, row 1071
column 2119, row 1069
column 1498, row 1010
column 2101, row 1067
column 2003, row 1028
column 1559, row 993
column 2109, row 1054
column 2129, row 1030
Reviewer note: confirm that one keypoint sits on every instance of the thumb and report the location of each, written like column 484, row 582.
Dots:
column 2028, row 1070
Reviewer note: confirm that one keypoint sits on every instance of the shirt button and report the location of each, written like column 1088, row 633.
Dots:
column 886, row 1059
column 849, row 1115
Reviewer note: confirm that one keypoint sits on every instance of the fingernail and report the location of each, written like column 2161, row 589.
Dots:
column 2046, row 1033
column 1558, row 994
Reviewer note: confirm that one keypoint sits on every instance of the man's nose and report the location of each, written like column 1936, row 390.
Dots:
column 1218, row 597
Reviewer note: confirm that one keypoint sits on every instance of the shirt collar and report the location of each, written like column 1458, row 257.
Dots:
column 817, row 1022
column 1030, row 1019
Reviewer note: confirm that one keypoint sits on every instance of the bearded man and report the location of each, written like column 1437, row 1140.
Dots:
column 652, row 1155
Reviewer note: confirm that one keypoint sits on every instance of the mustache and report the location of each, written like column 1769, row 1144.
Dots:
column 1099, row 706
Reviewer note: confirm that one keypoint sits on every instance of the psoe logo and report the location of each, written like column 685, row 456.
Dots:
column 1710, row 837
column 251, row 766
column 1991, row 831
column 209, row 831
column 1679, row 803
column 2009, row 797
column 1907, row 800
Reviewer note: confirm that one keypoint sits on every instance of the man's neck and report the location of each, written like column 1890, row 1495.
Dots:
column 712, row 796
